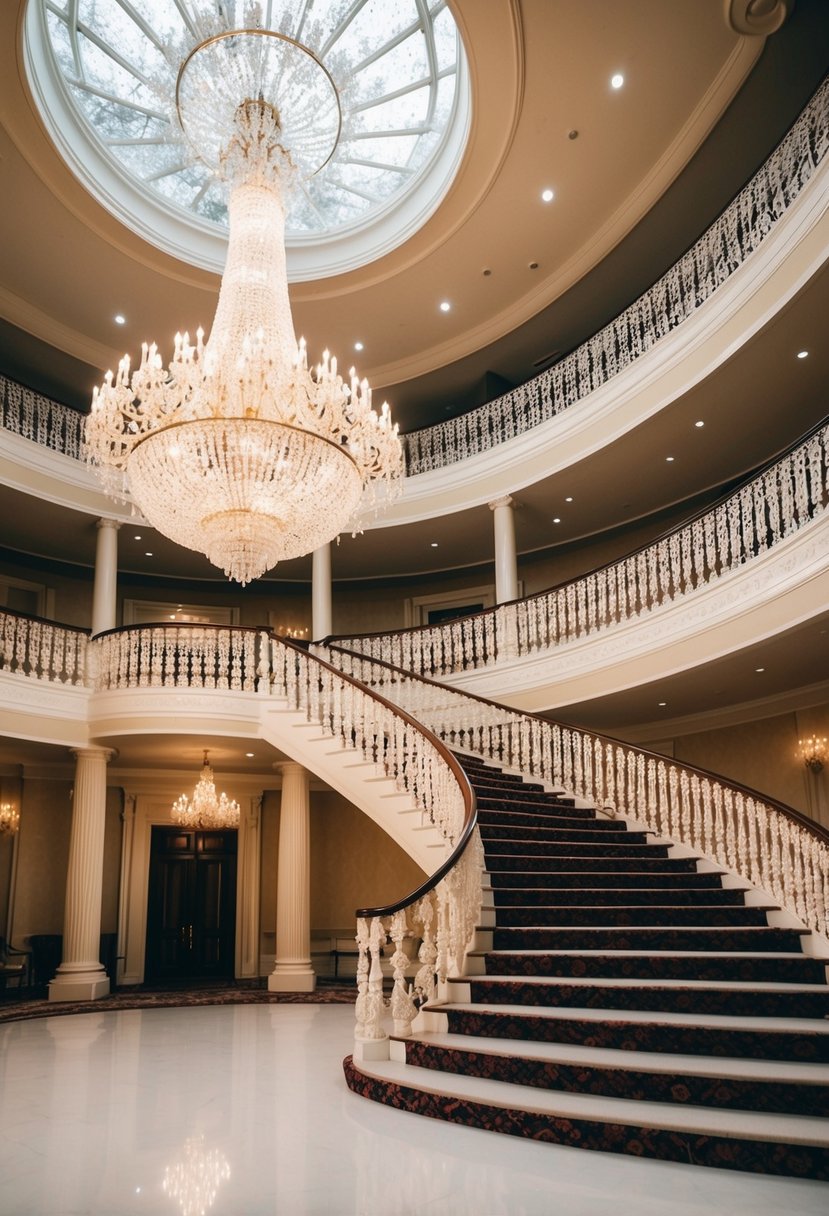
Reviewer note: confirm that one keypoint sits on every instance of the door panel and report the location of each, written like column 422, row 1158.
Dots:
column 191, row 911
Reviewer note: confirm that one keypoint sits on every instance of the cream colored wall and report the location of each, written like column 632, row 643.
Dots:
column 43, row 853
column 353, row 864
column 763, row 755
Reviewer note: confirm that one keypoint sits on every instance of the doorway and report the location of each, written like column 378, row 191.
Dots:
column 191, row 908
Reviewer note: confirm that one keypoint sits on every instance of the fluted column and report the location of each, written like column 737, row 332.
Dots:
column 80, row 976
column 292, row 969
column 321, row 593
column 106, row 576
column 506, row 562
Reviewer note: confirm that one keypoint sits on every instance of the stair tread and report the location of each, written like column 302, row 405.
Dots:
column 578, row 981
column 698, row 1021
column 798, row 1129
column 713, row 955
column 673, row 1064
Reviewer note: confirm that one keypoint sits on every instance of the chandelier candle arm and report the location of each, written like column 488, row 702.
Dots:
column 238, row 450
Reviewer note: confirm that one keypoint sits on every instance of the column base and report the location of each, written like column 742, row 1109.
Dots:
column 298, row 979
column 79, row 986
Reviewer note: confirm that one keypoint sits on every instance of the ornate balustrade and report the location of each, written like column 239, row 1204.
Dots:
column 41, row 649
column 40, row 419
column 767, row 843
column 772, row 506
column 683, row 289
column 176, row 656
column 738, row 232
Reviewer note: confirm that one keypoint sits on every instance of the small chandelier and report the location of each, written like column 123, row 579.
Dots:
column 238, row 450
column 9, row 819
column 813, row 752
column 207, row 808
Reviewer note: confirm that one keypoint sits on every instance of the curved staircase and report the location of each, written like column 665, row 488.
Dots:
column 621, row 996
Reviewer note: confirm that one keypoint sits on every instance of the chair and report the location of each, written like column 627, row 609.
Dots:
column 14, row 964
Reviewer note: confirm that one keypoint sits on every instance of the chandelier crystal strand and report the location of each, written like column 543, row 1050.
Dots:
column 238, row 450
column 207, row 808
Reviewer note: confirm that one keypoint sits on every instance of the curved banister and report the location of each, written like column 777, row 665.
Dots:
column 788, row 491
column 690, row 282
column 727, row 243
column 770, row 844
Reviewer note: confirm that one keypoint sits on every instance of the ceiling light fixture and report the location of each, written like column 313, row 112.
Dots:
column 813, row 752
column 699, row 423
column 617, row 80
column 238, row 450
column 547, row 195
column 803, row 354
column 569, row 498
column 556, row 519
column 207, row 808
column 119, row 319
column 9, row 819
column 445, row 306
column 358, row 346
column 669, row 459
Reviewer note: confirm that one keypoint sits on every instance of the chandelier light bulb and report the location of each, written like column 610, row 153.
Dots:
column 237, row 450
column 9, row 819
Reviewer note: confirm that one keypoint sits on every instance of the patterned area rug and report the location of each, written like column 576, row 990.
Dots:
column 326, row 993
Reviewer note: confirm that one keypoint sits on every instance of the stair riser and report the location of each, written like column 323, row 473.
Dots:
column 727, row 1153
column 681, row 1090
column 660, row 1000
column 780, row 941
column 623, row 917
column 508, row 863
column 665, row 967
column 597, row 896
column 516, row 880
column 552, row 835
column 648, row 1037
column 575, row 849
column 539, row 817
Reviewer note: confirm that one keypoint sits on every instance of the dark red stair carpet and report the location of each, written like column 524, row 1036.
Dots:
column 621, row 996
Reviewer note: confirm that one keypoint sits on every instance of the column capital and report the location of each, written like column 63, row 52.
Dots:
column 506, row 500
column 289, row 768
column 91, row 753
column 105, row 522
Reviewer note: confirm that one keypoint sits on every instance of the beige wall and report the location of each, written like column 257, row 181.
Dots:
column 763, row 755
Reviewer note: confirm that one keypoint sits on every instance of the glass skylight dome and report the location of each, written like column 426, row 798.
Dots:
column 105, row 74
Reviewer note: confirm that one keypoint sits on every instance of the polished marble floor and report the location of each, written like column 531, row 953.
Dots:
column 100, row 1111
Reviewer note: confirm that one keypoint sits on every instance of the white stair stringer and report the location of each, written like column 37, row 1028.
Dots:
column 359, row 780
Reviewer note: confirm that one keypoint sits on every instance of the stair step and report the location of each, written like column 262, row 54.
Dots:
column 498, row 862
column 681, row 995
column 672, row 916
column 803, row 1040
column 588, row 850
column 598, row 896
column 780, row 968
column 522, row 880
column 595, row 834
column 789, row 1144
column 761, row 1085
column 721, row 939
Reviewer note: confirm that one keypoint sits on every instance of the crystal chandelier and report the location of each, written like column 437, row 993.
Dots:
column 9, row 819
column 813, row 752
column 238, row 450
column 207, row 808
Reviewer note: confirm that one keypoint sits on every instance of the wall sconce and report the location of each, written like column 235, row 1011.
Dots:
column 9, row 819
column 813, row 752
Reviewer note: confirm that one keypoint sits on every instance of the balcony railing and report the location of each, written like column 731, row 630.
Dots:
column 684, row 288
column 771, row 507
column 44, row 650
column 677, row 295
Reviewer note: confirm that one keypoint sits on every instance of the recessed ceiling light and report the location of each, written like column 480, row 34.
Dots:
column 617, row 80
column 445, row 306
column 358, row 346
column 148, row 554
column 249, row 755
column 758, row 669
column 699, row 422
column 486, row 272
column 662, row 704
column 803, row 354
column 434, row 544
column 556, row 519
column 533, row 266
column 669, row 459
column 569, row 499
column 547, row 195
column 119, row 319
column 136, row 537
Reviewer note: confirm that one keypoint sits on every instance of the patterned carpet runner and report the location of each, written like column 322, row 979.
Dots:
column 627, row 999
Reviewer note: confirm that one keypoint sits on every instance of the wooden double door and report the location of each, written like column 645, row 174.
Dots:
column 191, row 909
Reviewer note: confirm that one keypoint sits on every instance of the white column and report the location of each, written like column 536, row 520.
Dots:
column 106, row 576
column 248, row 862
column 80, row 976
column 506, row 562
column 321, row 593
column 292, row 969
